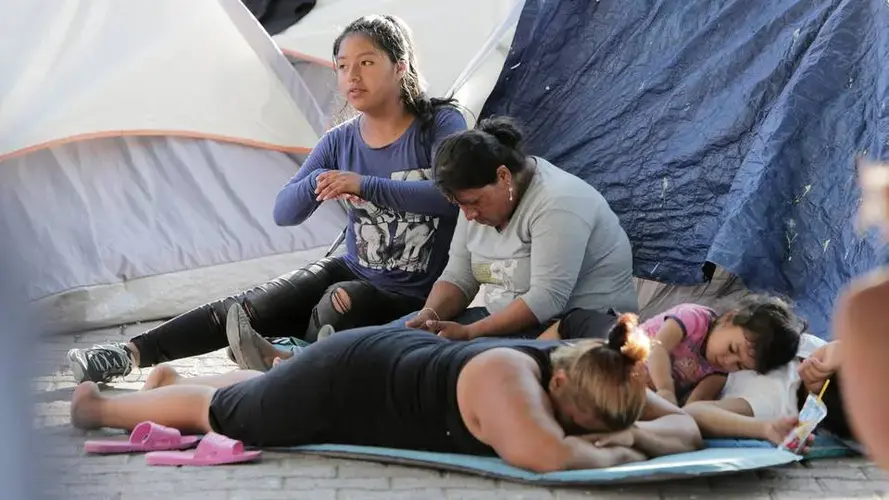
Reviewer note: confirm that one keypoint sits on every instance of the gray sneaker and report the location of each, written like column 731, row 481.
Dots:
column 251, row 351
column 284, row 345
column 100, row 363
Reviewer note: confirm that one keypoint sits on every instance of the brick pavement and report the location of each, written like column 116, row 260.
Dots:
column 279, row 476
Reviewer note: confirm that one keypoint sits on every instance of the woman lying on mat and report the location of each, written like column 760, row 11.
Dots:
column 543, row 406
column 541, row 240
column 399, row 231
column 862, row 321
column 694, row 348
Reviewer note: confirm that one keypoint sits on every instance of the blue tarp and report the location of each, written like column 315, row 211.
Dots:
column 720, row 131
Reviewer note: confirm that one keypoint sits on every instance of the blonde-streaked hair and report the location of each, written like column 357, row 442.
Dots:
column 608, row 378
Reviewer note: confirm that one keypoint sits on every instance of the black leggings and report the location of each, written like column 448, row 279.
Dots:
column 296, row 304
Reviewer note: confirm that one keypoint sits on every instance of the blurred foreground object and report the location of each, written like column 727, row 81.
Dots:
column 18, row 365
column 862, row 324
column 874, row 212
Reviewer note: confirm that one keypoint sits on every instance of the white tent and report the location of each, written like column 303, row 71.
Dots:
column 141, row 147
column 142, row 144
column 461, row 44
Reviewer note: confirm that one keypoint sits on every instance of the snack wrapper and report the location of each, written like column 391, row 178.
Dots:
column 813, row 412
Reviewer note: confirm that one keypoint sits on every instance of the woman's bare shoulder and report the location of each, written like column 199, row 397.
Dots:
column 503, row 360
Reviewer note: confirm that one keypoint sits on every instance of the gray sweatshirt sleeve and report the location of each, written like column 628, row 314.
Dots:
column 459, row 269
column 559, row 241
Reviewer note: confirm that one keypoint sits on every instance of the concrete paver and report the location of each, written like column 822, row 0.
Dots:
column 284, row 476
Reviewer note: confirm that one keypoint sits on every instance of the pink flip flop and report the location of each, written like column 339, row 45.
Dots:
column 214, row 449
column 147, row 436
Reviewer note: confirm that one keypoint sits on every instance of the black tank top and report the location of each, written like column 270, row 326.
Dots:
column 397, row 388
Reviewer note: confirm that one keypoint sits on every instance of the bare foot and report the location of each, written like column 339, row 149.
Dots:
column 85, row 410
column 161, row 376
column 274, row 355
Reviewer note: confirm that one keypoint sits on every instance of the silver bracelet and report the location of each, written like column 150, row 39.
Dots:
column 437, row 317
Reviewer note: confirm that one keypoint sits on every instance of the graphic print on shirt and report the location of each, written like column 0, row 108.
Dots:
column 500, row 280
column 687, row 371
column 387, row 239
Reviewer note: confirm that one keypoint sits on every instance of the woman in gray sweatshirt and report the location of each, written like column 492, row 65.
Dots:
column 540, row 239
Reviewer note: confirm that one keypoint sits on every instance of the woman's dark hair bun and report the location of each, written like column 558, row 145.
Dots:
column 626, row 338
column 504, row 129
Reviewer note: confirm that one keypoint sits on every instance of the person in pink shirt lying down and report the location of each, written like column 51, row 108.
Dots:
column 694, row 347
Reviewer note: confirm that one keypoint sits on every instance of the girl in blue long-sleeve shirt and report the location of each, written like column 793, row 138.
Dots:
column 399, row 230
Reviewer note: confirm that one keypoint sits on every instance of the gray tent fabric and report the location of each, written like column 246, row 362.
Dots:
column 119, row 209
column 107, row 219
column 320, row 80
column 145, row 186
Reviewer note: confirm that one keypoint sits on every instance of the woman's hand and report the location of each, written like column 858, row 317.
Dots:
column 620, row 438
column 449, row 329
column 350, row 198
column 335, row 183
column 820, row 366
column 421, row 319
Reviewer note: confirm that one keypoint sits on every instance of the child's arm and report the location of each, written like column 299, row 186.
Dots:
column 551, row 333
column 708, row 388
column 659, row 365
column 726, row 418
column 733, row 418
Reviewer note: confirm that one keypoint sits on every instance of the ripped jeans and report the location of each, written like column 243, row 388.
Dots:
column 294, row 305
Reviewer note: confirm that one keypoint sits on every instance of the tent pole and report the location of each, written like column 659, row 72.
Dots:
column 336, row 244
column 339, row 239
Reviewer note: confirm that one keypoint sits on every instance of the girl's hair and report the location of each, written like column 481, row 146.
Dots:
column 771, row 326
column 469, row 159
column 391, row 35
column 608, row 378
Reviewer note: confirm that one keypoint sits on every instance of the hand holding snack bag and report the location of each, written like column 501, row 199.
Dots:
column 812, row 414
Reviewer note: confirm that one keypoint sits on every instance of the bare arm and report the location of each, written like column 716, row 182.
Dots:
column 447, row 300
column 515, row 318
column 551, row 333
column 708, row 389
column 727, row 418
column 457, row 285
column 505, row 406
column 659, row 365
column 664, row 429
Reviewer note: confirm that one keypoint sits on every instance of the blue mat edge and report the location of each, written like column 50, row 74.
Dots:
column 825, row 446
column 694, row 464
column 751, row 455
